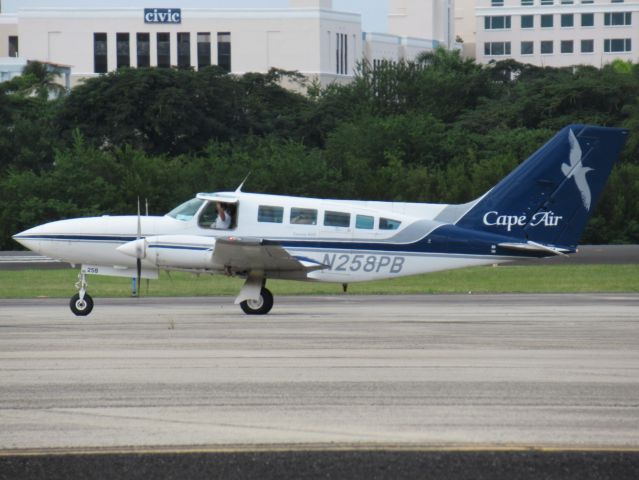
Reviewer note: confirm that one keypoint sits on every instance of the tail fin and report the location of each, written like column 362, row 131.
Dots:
column 549, row 198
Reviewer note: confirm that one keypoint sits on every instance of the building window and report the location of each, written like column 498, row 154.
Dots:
column 527, row 3
column 203, row 49
column 567, row 46
column 341, row 54
column 527, row 48
column 567, row 20
column 496, row 3
column 497, row 48
column 164, row 49
column 143, row 49
column 184, row 49
column 618, row 18
column 587, row 46
column 546, row 47
column 123, row 50
column 13, row 46
column 527, row 21
column 547, row 2
column 224, row 50
column 100, row 52
column 586, row 2
column 546, row 21
column 497, row 23
column 617, row 45
column 616, row 1
column 587, row 19
column 567, row 2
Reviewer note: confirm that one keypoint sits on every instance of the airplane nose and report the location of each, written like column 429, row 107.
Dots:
column 28, row 240
column 135, row 249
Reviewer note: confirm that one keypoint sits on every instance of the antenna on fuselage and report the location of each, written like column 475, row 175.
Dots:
column 239, row 189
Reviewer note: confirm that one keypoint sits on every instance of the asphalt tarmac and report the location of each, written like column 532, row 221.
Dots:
column 472, row 378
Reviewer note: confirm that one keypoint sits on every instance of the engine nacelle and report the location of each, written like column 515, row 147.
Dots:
column 173, row 251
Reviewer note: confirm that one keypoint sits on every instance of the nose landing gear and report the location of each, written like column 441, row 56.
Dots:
column 81, row 303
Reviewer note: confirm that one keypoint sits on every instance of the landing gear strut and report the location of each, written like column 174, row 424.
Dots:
column 81, row 303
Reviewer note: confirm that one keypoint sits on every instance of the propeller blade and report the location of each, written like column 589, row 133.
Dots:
column 139, row 221
column 140, row 253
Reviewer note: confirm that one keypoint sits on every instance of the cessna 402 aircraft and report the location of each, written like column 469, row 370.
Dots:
column 540, row 209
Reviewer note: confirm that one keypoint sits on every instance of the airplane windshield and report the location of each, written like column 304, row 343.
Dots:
column 187, row 210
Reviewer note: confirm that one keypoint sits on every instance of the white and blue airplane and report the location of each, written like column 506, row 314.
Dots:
column 540, row 209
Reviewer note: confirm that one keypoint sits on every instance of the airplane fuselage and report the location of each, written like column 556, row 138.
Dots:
column 355, row 241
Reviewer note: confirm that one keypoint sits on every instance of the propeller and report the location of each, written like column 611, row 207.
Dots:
column 140, row 252
column 146, row 204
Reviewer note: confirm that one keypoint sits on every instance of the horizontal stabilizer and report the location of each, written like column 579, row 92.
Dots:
column 534, row 247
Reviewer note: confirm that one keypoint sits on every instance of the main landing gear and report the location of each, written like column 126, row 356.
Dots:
column 81, row 303
column 261, row 306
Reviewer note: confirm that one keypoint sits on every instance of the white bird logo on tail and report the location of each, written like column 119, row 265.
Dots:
column 576, row 170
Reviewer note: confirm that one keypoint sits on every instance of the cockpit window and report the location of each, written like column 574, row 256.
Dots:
column 187, row 210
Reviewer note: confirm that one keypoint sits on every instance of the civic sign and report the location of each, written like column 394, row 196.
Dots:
column 162, row 15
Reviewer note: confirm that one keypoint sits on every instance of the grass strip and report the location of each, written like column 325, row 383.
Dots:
column 59, row 283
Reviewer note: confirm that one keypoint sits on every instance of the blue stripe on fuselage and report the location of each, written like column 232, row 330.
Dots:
column 180, row 247
column 447, row 239
column 79, row 238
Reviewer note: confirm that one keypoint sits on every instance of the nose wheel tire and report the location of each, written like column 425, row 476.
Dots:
column 81, row 307
column 261, row 306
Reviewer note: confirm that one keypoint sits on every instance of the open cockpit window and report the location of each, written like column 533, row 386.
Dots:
column 210, row 216
column 187, row 210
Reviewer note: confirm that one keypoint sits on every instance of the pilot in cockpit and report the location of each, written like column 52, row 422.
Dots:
column 224, row 217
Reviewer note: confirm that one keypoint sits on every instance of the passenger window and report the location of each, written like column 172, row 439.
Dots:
column 337, row 219
column 270, row 214
column 388, row 224
column 364, row 222
column 303, row 216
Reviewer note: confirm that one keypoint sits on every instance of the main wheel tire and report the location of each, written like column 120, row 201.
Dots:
column 81, row 307
column 261, row 306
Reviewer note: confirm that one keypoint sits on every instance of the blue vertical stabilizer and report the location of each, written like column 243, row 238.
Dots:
column 549, row 198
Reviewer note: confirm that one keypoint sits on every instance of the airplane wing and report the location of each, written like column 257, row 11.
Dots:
column 256, row 254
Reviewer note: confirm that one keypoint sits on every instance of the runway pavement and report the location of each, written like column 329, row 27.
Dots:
column 479, row 371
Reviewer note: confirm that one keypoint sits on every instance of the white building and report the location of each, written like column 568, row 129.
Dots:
column 464, row 26
column 308, row 36
column 432, row 19
column 557, row 33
